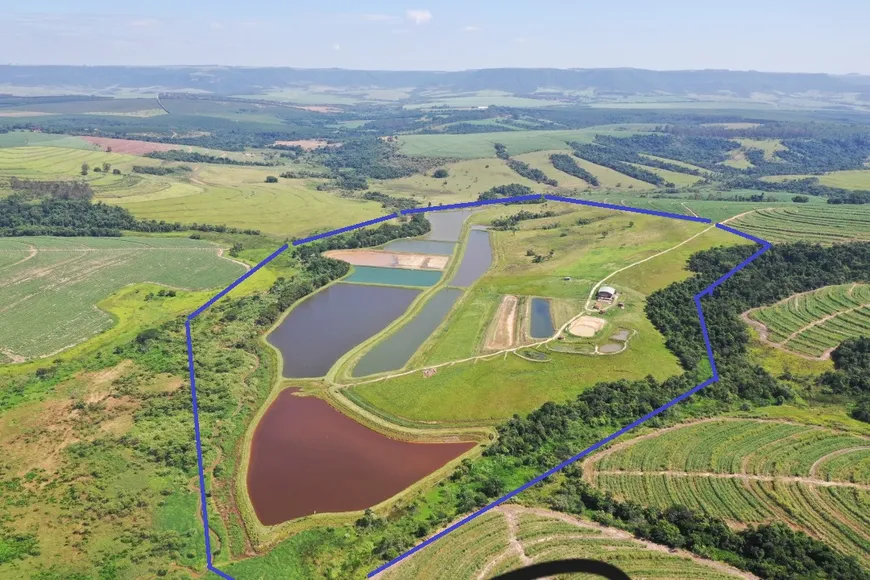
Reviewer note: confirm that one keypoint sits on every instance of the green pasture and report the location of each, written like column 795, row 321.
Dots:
column 50, row 290
column 852, row 179
column 481, row 144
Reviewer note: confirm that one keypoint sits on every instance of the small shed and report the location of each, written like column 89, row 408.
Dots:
column 606, row 293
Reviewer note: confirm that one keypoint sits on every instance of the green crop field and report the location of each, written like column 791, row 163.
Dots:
column 49, row 287
column 816, row 322
column 750, row 471
column 675, row 177
column 824, row 224
column 23, row 138
column 481, row 144
column 499, row 541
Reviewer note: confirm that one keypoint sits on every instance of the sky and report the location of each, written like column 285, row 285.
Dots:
column 764, row 35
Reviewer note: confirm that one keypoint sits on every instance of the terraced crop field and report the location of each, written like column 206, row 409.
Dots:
column 750, row 471
column 814, row 323
column 62, row 162
column 824, row 224
column 512, row 536
column 49, row 287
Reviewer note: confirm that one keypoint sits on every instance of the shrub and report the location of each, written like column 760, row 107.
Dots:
column 271, row 179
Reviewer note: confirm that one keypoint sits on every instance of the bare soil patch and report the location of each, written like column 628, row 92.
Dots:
column 129, row 146
column 318, row 108
column 586, row 326
column 308, row 144
column 389, row 259
column 503, row 335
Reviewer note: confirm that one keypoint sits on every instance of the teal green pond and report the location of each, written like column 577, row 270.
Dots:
column 393, row 276
column 395, row 352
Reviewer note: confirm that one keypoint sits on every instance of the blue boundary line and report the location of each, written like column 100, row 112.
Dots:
column 697, row 298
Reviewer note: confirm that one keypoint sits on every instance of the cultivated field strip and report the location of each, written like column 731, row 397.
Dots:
column 825, row 224
column 750, row 471
column 49, row 287
column 813, row 323
column 512, row 536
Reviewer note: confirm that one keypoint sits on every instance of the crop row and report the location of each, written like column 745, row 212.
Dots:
column 817, row 224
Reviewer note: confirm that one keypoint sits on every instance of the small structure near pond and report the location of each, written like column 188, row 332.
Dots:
column 606, row 293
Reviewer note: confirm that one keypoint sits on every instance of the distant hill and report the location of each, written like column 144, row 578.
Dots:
column 518, row 81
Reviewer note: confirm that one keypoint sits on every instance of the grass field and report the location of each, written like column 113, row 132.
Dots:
column 466, row 181
column 816, row 322
column 481, row 144
column 508, row 537
column 675, row 177
column 215, row 194
column 50, row 286
column 824, row 224
column 769, row 146
column 495, row 388
column 751, row 471
column 853, row 179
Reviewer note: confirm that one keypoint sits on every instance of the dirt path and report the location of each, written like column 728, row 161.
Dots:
column 612, row 274
column 31, row 254
column 742, row 477
column 220, row 254
column 504, row 334
column 814, row 468
column 690, row 210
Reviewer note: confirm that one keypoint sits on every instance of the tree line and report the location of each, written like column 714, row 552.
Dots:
column 80, row 190
column 567, row 164
column 194, row 157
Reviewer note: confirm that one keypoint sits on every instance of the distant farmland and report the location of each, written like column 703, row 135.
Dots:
column 49, row 287
column 750, row 471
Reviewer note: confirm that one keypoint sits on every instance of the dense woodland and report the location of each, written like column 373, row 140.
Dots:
column 567, row 164
column 194, row 157
column 604, row 157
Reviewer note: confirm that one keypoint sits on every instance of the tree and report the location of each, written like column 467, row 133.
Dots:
column 85, row 168
column 109, row 149
column 271, row 179
column 440, row 173
column 116, row 172
column 800, row 199
column 106, row 167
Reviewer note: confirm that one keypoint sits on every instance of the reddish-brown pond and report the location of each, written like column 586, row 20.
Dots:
column 308, row 458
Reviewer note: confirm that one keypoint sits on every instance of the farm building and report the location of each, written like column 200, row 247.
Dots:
column 606, row 293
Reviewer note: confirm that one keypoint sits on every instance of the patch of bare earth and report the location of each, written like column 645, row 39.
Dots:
column 378, row 259
column 24, row 114
column 503, row 335
column 129, row 146
column 33, row 436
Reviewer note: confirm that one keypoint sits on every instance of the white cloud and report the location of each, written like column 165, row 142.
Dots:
column 470, row 28
column 336, row 47
column 520, row 39
column 216, row 25
column 418, row 16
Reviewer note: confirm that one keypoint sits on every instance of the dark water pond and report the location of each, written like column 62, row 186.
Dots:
column 476, row 260
column 308, row 458
column 421, row 247
column 328, row 324
column 447, row 225
column 394, row 276
column 542, row 321
column 398, row 349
